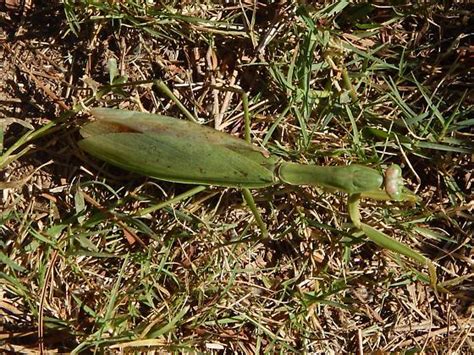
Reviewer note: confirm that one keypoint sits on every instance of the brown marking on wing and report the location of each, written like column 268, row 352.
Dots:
column 98, row 128
column 115, row 127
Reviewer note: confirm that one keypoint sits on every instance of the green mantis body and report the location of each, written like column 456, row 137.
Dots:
column 186, row 152
column 181, row 151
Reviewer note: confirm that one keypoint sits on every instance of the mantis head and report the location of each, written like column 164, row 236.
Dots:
column 393, row 182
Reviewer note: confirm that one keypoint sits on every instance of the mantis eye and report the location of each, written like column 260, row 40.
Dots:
column 393, row 182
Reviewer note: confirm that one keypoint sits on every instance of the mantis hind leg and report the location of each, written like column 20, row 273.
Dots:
column 246, row 192
column 247, row 195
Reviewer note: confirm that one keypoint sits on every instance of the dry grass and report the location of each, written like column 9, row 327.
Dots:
column 81, row 270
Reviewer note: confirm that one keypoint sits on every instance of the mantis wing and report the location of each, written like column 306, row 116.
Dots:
column 175, row 150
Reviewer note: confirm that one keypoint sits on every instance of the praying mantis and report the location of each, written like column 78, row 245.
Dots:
column 182, row 151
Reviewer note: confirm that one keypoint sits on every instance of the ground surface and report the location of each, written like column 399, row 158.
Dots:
column 328, row 84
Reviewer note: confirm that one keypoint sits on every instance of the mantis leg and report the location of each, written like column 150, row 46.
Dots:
column 160, row 84
column 384, row 241
column 246, row 192
column 353, row 203
column 175, row 199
